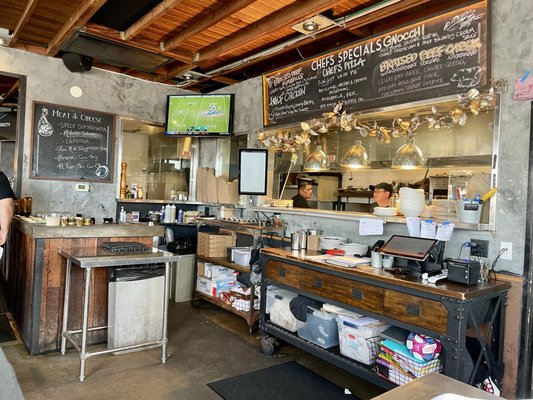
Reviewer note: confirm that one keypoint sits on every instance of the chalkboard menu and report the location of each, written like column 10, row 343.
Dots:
column 438, row 56
column 72, row 144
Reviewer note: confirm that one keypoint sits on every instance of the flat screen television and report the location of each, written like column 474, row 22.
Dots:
column 199, row 115
column 253, row 168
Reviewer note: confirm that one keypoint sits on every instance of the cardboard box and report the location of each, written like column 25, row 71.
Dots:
column 214, row 271
column 214, row 244
column 214, row 287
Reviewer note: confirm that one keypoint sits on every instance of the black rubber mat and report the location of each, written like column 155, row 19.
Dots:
column 284, row 381
column 6, row 333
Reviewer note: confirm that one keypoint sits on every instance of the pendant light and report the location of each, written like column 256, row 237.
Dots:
column 409, row 156
column 317, row 161
column 356, row 157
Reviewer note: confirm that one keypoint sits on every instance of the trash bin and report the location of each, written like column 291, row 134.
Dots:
column 182, row 272
column 135, row 305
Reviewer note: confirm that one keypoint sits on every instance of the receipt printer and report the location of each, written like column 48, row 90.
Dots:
column 463, row 271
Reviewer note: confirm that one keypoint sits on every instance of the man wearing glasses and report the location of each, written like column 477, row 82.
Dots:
column 382, row 192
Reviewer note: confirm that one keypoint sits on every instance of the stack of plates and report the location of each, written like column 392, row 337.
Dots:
column 331, row 242
column 412, row 201
column 385, row 211
column 444, row 209
column 352, row 249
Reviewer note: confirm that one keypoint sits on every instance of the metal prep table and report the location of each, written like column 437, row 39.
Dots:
column 89, row 258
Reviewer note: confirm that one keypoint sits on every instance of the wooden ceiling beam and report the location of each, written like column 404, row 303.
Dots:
column 23, row 20
column 80, row 17
column 384, row 13
column 203, row 22
column 156, row 13
column 356, row 26
column 285, row 17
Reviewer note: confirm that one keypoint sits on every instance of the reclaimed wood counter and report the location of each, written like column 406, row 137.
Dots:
column 35, row 279
column 447, row 311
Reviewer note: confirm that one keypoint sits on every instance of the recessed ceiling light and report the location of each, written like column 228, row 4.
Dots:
column 310, row 26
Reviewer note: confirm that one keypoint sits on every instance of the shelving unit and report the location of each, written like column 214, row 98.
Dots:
column 252, row 316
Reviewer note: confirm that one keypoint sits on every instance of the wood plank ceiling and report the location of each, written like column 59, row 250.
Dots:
column 215, row 43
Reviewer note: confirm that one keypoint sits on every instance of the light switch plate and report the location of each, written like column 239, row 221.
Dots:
column 83, row 187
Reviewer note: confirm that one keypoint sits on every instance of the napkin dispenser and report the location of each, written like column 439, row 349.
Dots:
column 463, row 271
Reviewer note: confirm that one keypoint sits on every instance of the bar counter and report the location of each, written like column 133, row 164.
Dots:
column 35, row 277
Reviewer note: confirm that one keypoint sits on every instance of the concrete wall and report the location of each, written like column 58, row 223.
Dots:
column 512, row 53
column 48, row 80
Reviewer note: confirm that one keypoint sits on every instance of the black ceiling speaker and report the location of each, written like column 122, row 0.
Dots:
column 77, row 62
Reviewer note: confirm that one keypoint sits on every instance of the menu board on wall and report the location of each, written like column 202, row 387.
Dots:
column 438, row 56
column 71, row 144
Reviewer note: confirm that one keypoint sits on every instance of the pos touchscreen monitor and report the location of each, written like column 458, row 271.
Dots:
column 412, row 248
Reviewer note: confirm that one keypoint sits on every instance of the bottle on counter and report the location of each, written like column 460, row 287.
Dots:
column 128, row 193
column 162, row 216
column 167, row 220
column 133, row 190
column 180, row 216
column 172, row 214
column 140, row 192
column 122, row 216
column 172, row 195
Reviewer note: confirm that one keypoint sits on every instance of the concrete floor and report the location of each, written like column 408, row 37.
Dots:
column 206, row 344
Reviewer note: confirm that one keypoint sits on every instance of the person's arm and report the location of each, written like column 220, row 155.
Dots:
column 6, row 214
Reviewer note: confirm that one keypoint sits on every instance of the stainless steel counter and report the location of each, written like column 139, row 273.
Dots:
column 41, row 231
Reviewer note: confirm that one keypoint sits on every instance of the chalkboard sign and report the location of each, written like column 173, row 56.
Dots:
column 438, row 56
column 72, row 144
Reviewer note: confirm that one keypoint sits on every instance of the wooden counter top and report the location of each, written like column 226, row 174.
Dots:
column 445, row 288
column 41, row 231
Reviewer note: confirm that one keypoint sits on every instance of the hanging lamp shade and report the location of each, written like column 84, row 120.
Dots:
column 409, row 156
column 317, row 161
column 356, row 157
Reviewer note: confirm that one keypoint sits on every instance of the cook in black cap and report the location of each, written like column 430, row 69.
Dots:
column 382, row 192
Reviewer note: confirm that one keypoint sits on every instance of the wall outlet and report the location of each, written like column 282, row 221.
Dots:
column 481, row 249
column 508, row 254
column 83, row 187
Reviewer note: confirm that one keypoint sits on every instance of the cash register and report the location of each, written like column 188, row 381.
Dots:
column 415, row 256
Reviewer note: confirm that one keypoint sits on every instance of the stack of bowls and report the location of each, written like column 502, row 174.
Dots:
column 444, row 209
column 352, row 249
column 385, row 211
column 412, row 202
column 331, row 242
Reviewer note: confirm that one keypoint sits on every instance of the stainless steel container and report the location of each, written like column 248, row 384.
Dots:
column 227, row 212
column 296, row 241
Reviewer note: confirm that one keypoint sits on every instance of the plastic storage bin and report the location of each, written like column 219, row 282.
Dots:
column 320, row 329
column 359, row 337
column 278, row 301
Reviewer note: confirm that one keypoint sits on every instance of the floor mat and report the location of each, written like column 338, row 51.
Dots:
column 6, row 333
column 284, row 381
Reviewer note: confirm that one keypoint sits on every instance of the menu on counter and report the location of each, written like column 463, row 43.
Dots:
column 71, row 144
column 439, row 56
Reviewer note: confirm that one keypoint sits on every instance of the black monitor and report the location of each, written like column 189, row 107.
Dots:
column 415, row 255
column 413, row 248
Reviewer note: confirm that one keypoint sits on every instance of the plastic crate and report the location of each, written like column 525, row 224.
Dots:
column 280, row 312
column 359, row 337
column 320, row 329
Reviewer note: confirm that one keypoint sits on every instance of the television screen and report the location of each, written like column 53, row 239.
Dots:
column 253, row 168
column 199, row 115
